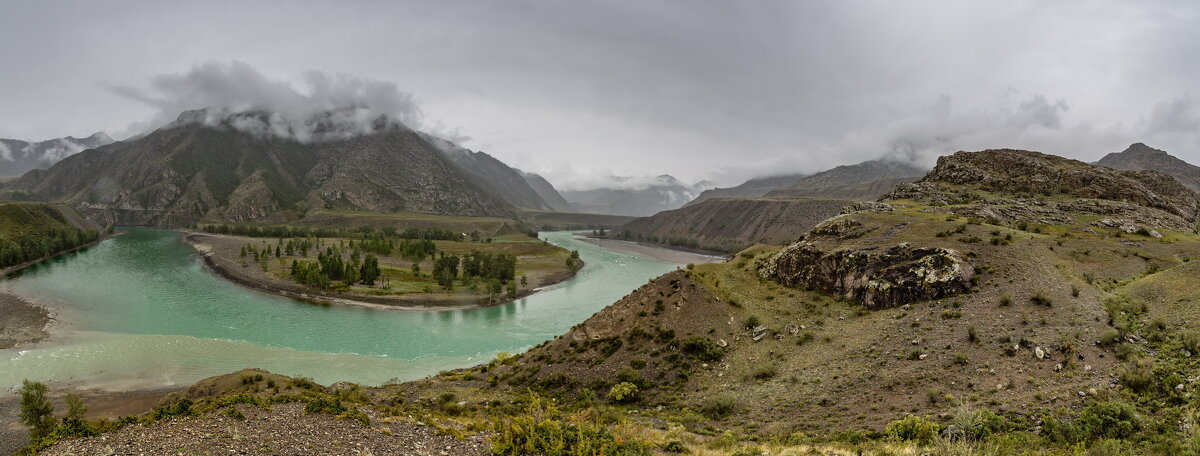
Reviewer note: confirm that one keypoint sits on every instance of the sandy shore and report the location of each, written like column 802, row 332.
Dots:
column 21, row 322
column 659, row 253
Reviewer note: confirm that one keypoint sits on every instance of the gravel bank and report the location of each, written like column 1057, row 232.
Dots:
column 283, row 430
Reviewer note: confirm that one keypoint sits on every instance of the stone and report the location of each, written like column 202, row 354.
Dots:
column 792, row 329
column 878, row 279
column 721, row 343
column 1058, row 367
column 1041, row 354
column 923, row 356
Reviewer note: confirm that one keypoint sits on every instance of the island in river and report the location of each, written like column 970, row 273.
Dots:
column 409, row 273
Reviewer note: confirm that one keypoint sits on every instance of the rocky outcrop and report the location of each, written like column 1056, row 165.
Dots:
column 1011, row 171
column 878, row 279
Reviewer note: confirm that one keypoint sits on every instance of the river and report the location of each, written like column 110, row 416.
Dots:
column 140, row 311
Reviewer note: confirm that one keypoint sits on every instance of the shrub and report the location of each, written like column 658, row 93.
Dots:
column 912, row 428
column 541, row 432
column 36, row 410
column 701, row 347
column 978, row 424
column 1041, row 299
column 763, row 371
column 1191, row 341
column 623, row 392
column 751, row 322
column 1139, row 377
column 1108, row 419
column 718, row 406
column 325, row 405
column 1005, row 300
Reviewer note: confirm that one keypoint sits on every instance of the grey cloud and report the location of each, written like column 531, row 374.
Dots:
column 576, row 90
column 350, row 104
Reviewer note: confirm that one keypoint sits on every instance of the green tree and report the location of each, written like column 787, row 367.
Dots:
column 36, row 410
column 369, row 270
column 524, row 281
column 512, row 289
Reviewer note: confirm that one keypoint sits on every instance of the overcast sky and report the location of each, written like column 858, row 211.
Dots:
column 578, row 91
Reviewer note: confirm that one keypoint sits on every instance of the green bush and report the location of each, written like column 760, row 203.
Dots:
column 1138, row 377
column 763, row 371
column 1109, row 419
column 541, row 432
column 37, row 412
column 623, row 392
column 701, row 347
column 913, row 428
column 979, row 424
column 718, row 406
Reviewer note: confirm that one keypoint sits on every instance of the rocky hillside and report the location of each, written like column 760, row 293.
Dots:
column 752, row 188
column 866, row 180
column 547, row 191
column 661, row 193
column 729, row 225
column 1142, row 157
column 987, row 309
column 856, row 191
column 19, row 157
column 193, row 171
column 492, row 175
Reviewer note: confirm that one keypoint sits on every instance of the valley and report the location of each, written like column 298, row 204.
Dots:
column 612, row 228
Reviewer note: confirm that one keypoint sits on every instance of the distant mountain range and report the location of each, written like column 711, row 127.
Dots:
column 19, row 157
column 662, row 193
column 1139, row 157
column 196, row 170
column 752, row 188
column 864, row 180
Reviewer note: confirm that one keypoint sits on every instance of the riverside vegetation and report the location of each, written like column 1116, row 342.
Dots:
column 1020, row 303
column 436, row 263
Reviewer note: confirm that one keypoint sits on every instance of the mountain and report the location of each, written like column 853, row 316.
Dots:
column 866, row 180
column 752, row 188
column 19, row 157
column 1140, row 156
column 201, row 169
column 661, row 193
column 731, row 224
column 547, row 191
column 492, row 175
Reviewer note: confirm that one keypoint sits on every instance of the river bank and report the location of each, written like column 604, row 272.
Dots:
column 657, row 252
column 218, row 253
column 21, row 322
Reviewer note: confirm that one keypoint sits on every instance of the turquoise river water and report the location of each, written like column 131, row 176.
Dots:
column 139, row 310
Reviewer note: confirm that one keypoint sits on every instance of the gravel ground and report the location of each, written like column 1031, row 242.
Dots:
column 284, row 430
column 21, row 322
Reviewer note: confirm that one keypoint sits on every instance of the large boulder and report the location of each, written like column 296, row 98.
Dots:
column 878, row 279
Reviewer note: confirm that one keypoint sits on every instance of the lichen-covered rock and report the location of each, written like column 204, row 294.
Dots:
column 878, row 279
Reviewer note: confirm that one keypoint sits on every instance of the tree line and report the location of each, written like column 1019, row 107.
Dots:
column 364, row 232
column 30, row 247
